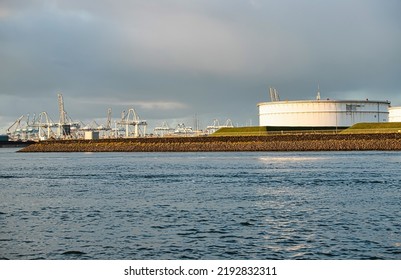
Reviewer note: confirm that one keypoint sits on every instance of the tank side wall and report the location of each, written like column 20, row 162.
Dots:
column 395, row 114
column 319, row 114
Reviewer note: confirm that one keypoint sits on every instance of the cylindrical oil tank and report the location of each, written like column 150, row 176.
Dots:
column 322, row 113
column 395, row 114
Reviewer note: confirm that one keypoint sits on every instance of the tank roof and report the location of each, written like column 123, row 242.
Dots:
column 325, row 101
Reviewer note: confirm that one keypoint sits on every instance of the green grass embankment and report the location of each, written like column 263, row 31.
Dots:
column 364, row 128
column 242, row 131
column 269, row 130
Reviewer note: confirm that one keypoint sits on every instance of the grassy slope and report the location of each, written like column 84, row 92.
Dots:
column 390, row 127
column 241, row 131
column 268, row 130
column 393, row 127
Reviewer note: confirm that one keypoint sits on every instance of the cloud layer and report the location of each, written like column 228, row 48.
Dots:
column 173, row 59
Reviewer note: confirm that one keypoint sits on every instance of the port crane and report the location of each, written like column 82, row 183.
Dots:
column 66, row 126
column 216, row 126
column 131, row 118
column 24, row 128
column 14, row 129
column 181, row 129
column 164, row 129
column 44, row 125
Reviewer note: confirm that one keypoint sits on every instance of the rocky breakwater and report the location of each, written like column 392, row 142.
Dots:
column 287, row 142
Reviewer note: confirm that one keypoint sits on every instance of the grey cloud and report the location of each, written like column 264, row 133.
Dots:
column 212, row 57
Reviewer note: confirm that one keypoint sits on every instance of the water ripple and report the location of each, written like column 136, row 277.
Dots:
column 201, row 206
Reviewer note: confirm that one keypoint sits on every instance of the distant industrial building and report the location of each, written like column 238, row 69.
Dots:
column 91, row 135
column 321, row 113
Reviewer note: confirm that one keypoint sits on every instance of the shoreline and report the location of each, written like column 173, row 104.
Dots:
column 15, row 144
column 286, row 142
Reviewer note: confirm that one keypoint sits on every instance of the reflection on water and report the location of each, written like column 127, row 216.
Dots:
column 294, row 158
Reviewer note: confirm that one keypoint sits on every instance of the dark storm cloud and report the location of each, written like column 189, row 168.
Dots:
column 174, row 59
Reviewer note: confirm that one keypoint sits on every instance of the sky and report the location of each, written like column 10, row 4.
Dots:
column 178, row 61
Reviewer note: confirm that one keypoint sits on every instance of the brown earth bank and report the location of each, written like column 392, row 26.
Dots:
column 290, row 142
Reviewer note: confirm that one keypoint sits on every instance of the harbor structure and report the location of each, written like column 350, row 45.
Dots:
column 277, row 115
column 321, row 113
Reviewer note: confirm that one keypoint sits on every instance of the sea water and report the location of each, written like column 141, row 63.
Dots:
column 262, row 205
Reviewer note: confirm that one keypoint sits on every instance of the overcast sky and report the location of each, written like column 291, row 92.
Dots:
column 172, row 60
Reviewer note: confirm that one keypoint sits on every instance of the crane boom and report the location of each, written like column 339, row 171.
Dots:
column 61, row 109
column 108, row 124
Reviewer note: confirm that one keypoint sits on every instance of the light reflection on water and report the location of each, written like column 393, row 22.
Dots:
column 200, row 205
column 294, row 158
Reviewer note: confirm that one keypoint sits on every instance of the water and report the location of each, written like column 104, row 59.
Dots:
column 323, row 205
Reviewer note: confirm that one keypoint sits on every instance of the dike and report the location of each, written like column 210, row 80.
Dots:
column 286, row 142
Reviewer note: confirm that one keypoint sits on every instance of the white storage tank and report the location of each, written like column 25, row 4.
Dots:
column 395, row 114
column 322, row 113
